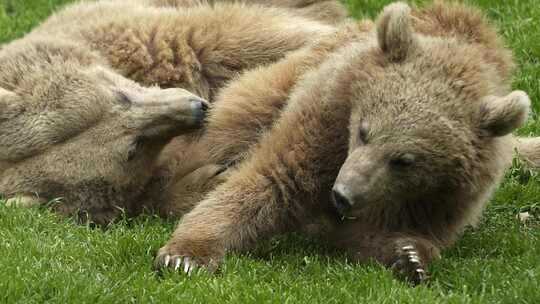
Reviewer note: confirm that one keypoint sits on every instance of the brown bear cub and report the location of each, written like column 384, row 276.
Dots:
column 403, row 127
column 91, row 97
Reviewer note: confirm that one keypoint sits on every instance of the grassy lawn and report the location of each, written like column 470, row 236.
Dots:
column 47, row 259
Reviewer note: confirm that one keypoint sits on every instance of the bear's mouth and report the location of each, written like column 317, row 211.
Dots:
column 351, row 209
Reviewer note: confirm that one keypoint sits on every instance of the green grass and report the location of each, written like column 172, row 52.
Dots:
column 47, row 259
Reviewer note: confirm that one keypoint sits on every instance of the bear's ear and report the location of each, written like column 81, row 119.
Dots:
column 394, row 31
column 500, row 116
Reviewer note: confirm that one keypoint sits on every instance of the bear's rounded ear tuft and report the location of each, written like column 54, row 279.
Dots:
column 394, row 31
column 500, row 116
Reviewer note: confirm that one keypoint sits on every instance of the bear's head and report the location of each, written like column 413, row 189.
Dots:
column 85, row 135
column 430, row 119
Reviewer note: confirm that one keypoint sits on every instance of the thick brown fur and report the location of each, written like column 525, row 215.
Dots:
column 403, row 127
column 327, row 11
column 85, row 109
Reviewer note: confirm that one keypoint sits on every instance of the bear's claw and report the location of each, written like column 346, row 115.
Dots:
column 184, row 264
column 410, row 265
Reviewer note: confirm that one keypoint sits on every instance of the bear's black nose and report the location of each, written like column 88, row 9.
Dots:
column 204, row 105
column 200, row 109
column 341, row 202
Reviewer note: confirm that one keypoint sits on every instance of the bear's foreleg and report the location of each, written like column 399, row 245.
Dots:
column 284, row 183
column 249, row 206
column 289, row 172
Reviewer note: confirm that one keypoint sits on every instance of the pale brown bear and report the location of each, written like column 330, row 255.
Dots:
column 402, row 127
column 91, row 97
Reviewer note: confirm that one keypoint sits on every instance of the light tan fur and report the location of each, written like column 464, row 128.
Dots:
column 89, row 98
column 328, row 11
column 403, row 128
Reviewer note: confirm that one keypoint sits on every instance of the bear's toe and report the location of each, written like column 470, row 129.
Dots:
column 409, row 265
column 183, row 263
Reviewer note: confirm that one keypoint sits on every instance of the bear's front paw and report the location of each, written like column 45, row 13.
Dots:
column 409, row 264
column 173, row 257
